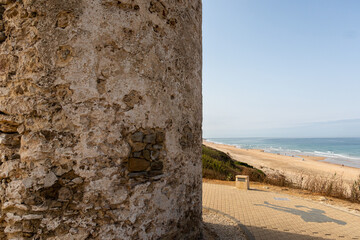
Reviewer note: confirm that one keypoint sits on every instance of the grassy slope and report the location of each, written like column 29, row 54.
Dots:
column 218, row 165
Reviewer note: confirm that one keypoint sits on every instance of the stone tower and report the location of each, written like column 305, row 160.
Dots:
column 100, row 119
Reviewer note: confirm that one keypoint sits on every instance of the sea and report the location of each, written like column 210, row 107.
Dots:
column 342, row 151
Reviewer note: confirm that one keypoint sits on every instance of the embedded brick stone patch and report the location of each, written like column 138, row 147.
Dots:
column 147, row 151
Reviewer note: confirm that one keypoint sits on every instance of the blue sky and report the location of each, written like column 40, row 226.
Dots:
column 281, row 68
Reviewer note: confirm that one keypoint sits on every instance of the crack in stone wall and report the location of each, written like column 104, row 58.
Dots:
column 100, row 119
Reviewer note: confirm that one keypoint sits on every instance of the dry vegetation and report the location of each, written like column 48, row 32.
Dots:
column 331, row 187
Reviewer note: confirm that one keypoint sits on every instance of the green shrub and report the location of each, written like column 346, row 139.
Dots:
column 219, row 165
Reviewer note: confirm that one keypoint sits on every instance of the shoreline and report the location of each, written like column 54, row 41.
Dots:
column 298, row 154
column 290, row 166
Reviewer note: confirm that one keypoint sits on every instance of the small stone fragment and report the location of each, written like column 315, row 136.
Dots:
column 32, row 217
column 64, row 55
column 137, row 147
column 50, row 179
column 77, row 180
column 4, row 2
column 21, row 207
column 160, row 137
column 12, row 12
column 55, row 204
column 8, row 124
column 64, row 194
column 138, row 165
column 157, row 165
column 132, row 99
column 12, row 229
column 10, row 139
column 155, row 155
column 39, row 208
column 61, row 171
column 172, row 22
column 15, row 156
column 28, row 182
column 63, row 19
column 21, row 129
column 158, row 147
column 137, row 154
column 150, row 138
column 137, row 137
column 137, row 174
column 11, row 217
column 146, row 154
column 24, row 14
column 27, row 228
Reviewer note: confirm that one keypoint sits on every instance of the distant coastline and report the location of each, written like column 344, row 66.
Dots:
column 340, row 151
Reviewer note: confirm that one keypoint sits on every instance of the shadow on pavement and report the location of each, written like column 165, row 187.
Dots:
column 254, row 233
column 308, row 214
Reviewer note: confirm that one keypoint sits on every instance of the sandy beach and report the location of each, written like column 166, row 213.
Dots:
column 293, row 167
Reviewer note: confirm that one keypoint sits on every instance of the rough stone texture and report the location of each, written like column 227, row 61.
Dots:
column 100, row 119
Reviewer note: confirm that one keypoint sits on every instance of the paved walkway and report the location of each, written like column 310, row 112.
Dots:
column 271, row 216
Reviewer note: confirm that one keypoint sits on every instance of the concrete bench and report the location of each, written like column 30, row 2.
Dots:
column 242, row 182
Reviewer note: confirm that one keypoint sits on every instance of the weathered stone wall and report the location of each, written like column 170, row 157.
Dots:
column 100, row 119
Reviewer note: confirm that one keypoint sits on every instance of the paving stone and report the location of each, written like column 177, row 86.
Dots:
column 267, row 218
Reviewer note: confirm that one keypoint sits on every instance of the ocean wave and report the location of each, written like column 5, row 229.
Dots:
column 331, row 154
column 328, row 154
column 284, row 150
